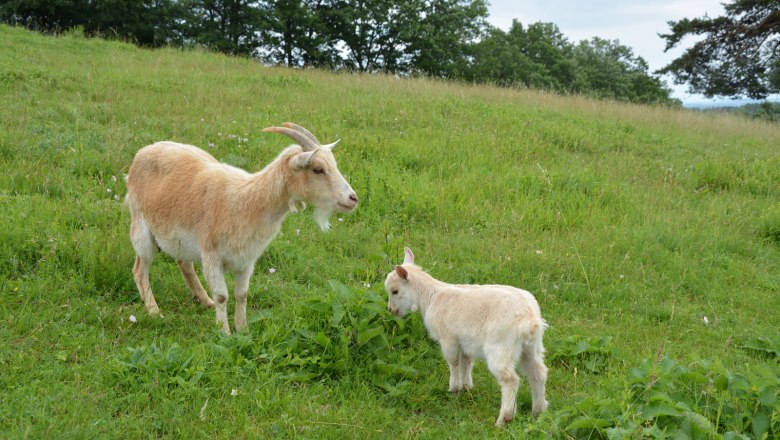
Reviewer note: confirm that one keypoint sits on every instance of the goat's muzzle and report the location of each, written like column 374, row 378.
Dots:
column 350, row 205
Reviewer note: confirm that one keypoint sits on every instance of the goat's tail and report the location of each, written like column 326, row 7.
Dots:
column 532, row 332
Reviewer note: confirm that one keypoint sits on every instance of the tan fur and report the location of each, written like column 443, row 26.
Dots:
column 194, row 208
column 501, row 324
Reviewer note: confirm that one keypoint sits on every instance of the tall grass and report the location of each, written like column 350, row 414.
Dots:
column 630, row 224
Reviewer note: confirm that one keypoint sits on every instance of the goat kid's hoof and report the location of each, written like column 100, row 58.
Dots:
column 502, row 421
column 540, row 409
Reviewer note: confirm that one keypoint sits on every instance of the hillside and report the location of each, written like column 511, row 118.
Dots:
column 630, row 224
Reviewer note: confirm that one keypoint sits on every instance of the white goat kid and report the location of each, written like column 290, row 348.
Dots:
column 186, row 203
column 500, row 324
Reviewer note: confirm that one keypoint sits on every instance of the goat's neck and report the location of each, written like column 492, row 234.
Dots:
column 428, row 291
column 267, row 193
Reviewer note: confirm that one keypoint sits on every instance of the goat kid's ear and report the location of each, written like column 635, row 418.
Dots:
column 408, row 256
column 401, row 272
column 303, row 160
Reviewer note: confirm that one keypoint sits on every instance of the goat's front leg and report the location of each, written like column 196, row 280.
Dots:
column 215, row 276
column 451, row 352
column 242, row 287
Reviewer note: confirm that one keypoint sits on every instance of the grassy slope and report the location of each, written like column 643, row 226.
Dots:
column 625, row 221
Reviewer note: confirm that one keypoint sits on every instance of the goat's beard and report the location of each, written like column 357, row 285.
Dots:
column 322, row 217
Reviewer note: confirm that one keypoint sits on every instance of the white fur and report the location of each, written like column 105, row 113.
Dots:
column 500, row 324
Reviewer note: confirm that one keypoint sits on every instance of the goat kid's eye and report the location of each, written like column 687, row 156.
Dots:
column 395, row 292
column 318, row 171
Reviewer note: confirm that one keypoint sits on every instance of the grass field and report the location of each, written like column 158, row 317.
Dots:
column 630, row 224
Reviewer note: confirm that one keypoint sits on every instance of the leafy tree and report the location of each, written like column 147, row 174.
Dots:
column 295, row 34
column 229, row 26
column 606, row 68
column 497, row 60
column 739, row 55
column 145, row 22
column 45, row 15
column 545, row 45
column 515, row 58
column 440, row 32
column 369, row 32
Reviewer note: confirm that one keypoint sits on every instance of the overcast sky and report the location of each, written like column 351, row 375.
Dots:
column 635, row 23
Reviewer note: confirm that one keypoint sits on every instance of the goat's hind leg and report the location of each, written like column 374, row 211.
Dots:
column 191, row 278
column 532, row 362
column 503, row 369
column 143, row 243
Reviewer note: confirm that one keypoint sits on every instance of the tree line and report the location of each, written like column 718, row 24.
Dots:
column 440, row 38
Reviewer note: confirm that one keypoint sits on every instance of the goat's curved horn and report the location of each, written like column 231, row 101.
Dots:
column 303, row 140
column 297, row 127
column 330, row 146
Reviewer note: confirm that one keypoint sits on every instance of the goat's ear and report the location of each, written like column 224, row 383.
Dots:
column 408, row 256
column 401, row 272
column 303, row 160
column 331, row 146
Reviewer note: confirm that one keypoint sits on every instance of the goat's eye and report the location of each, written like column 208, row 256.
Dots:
column 318, row 171
column 395, row 292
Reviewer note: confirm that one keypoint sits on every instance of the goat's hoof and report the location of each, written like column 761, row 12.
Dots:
column 207, row 304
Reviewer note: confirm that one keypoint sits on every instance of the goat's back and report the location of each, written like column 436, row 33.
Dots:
column 488, row 309
column 175, row 185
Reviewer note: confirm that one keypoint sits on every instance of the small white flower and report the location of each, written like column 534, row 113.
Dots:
column 211, row 144
column 201, row 119
column 555, row 286
column 132, row 319
column 622, row 276
column 271, row 270
column 246, row 139
column 108, row 190
column 234, row 392
column 113, row 178
column 116, row 197
column 341, row 219
column 538, row 252
column 367, row 285
column 706, row 321
column 297, row 232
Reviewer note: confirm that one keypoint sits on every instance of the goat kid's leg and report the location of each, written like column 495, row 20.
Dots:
column 191, row 278
column 534, row 368
column 141, row 276
column 215, row 276
column 505, row 374
column 466, row 364
column 451, row 352
column 242, row 287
